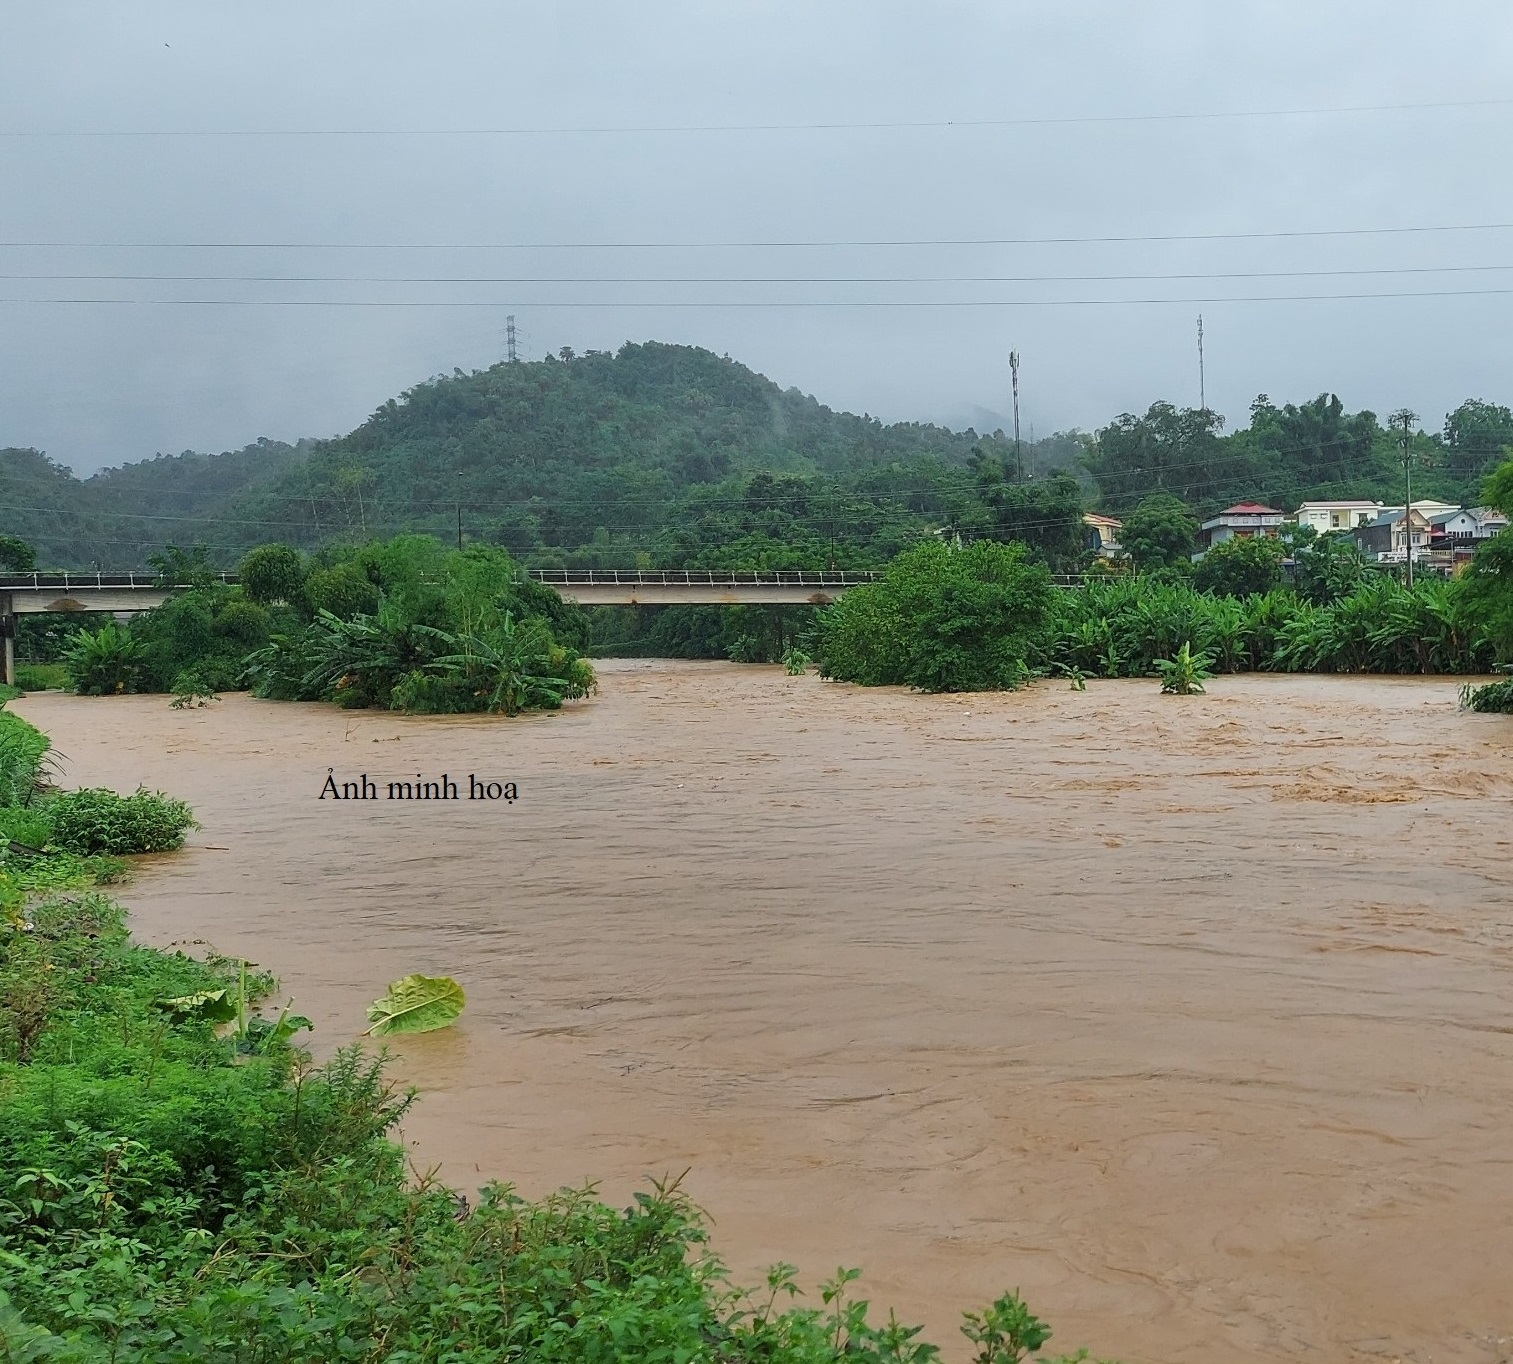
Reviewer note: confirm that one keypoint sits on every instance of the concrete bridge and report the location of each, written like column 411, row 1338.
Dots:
column 122, row 593
column 698, row 586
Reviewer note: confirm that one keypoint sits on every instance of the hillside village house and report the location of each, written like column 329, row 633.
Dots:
column 1347, row 514
column 1102, row 534
column 1387, row 538
column 1489, row 522
column 1242, row 521
column 1451, row 529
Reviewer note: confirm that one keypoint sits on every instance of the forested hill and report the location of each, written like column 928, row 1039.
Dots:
column 562, row 452
column 575, row 458
column 120, row 516
column 673, row 456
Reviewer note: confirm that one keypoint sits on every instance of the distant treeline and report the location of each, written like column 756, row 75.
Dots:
column 674, row 456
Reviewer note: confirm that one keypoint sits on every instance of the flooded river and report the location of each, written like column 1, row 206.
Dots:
column 1190, row 1017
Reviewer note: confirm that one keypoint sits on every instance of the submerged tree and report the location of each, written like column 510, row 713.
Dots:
column 941, row 619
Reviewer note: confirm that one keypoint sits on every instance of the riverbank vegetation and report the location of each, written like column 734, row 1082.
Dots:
column 406, row 624
column 180, row 1183
column 410, row 624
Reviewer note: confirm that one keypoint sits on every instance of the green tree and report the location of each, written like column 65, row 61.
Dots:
column 1240, row 567
column 1159, row 532
column 1045, row 515
column 342, row 589
column 1328, row 568
column 16, row 555
column 1485, row 593
column 1170, row 449
column 941, row 619
column 273, row 573
column 180, row 567
column 1477, row 435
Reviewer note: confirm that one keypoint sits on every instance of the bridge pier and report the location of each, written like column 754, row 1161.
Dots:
column 8, row 634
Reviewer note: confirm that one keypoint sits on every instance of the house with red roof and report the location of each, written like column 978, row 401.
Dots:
column 1242, row 521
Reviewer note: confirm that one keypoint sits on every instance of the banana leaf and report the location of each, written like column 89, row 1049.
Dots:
column 416, row 1004
column 206, row 1006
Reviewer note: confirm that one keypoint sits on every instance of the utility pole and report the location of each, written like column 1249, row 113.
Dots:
column 509, row 340
column 1014, row 380
column 457, row 491
column 1407, row 419
column 1202, row 378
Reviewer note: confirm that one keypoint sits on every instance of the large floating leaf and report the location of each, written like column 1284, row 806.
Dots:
column 206, row 1006
column 416, row 1004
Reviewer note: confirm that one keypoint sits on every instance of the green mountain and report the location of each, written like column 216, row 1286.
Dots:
column 651, row 453
column 119, row 516
column 604, row 454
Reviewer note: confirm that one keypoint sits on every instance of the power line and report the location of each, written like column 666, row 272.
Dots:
column 756, row 303
column 1276, row 235
column 761, row 279
column 889, row 125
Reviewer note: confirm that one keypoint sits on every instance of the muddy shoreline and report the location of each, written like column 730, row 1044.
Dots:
column 1190, row 1017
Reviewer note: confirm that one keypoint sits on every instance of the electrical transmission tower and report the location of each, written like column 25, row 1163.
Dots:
column 1202, row 381
column 1014, row 379
column 509, row 340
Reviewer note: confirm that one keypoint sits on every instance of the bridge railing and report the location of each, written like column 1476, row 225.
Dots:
column 64, row 581
column 697, row 577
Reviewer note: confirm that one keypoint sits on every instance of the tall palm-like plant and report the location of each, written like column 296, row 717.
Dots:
column 104, row 662
column 507, row 666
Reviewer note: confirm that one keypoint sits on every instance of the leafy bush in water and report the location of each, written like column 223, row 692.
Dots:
column 445, row 639
column 1185, row 672
column 104, row 662
column 941, row 619
column 1495, row 697
column 95, row 820
column 207, row 632
column 1121, row 627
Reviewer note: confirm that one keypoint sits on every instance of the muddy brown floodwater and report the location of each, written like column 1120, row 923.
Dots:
column 1190, row 1017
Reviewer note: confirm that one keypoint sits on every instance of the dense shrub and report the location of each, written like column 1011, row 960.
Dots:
column 23, row 751
column 342, row 590
column 1120, row 628
column 448, row 632
column 271, row 574
column 941, row 619
column 208, row 631
column 1240, row 567
column 27, row 824
column 1495, row 697
column 95, row 820
column 1159, row 532
column 104, row 662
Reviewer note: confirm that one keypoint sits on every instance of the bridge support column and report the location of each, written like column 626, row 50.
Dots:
column 8, row 633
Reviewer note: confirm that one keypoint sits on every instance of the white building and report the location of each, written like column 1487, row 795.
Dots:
column 1489, row 521
column 1346, row 514
column 1242, row 521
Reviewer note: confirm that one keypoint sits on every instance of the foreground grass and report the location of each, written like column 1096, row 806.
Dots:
column 173, row 1190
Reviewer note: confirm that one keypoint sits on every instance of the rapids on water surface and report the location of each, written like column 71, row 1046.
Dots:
column 1189, row 1017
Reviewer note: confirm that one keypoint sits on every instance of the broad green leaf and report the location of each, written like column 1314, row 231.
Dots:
column 416, row 1004
column 207, row 1006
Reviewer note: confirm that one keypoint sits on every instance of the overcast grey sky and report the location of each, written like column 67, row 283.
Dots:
column 98, row 383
